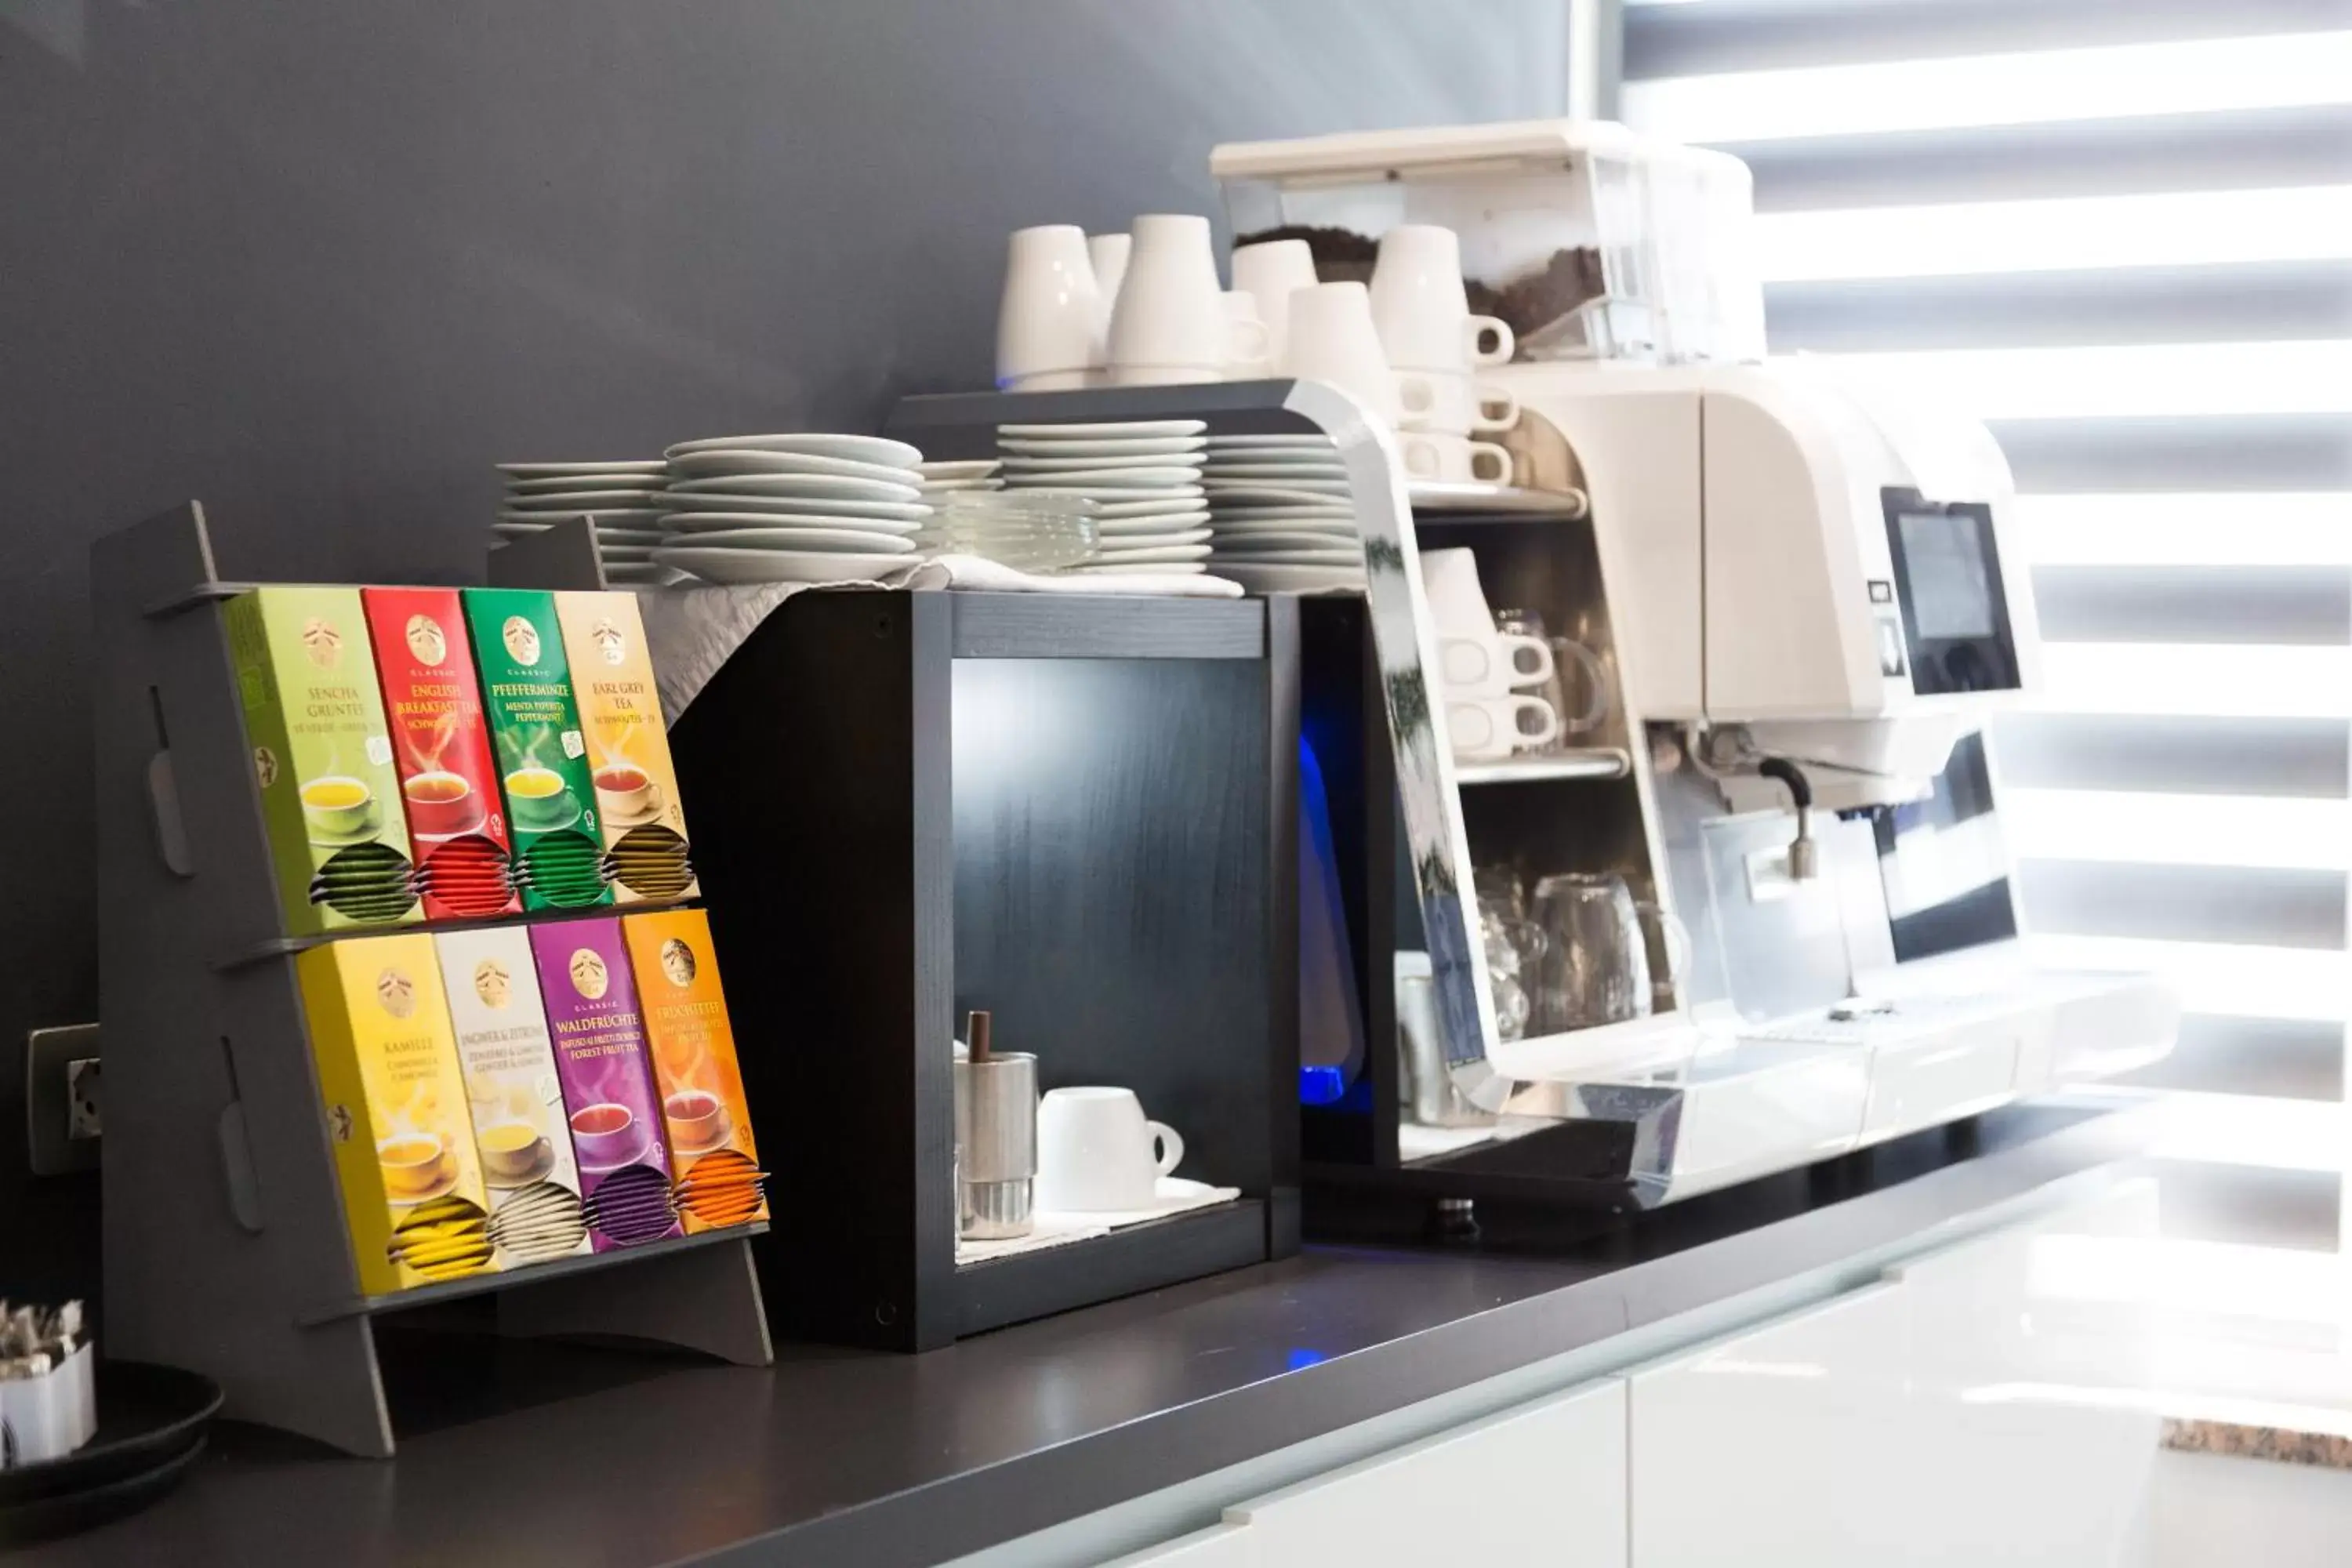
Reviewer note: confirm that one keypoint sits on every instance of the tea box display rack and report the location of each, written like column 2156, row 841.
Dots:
column 227, row 1249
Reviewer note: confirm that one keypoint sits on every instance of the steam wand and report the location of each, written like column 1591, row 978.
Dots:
column 1804, row 858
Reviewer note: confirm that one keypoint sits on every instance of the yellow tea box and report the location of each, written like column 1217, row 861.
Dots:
column 629, row 746
column 321, row 758
column 714, row 1163
column 513, row 1094
column 394, row 1102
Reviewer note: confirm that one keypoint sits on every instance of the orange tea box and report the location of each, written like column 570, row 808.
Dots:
column 394, row 1102
column 629, row 746
column 713, row 1160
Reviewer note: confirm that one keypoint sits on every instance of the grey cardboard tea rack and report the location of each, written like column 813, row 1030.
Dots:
column 225, row 1246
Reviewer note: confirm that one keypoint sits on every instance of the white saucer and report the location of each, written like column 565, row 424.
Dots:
column 834, row 541
column 779, row 566
column 828, row 506
column 959, row 469
column 1277, row 473
column 1172, row 568
column 555, row 470
column 1123, row 430
column 1192, row 497
column 519, row 488
column 1164, row 553
column 1300, row 442
column 1352, row 559
column 877, row 450
column 1283, row 539
column 701, row 522
column 1303, row 492
column 708, row 465
column 826, row 485
column 1145, row 446
column 584, row 500
column 631, row 516
column 1275, row 578
column 1145, row 479
column 1110, row 528
column 1154, row 460
column 605, row 534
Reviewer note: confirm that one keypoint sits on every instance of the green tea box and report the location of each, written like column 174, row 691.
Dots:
column 321, row 758
column 542, row 756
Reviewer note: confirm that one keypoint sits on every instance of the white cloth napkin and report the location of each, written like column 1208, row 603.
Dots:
column 692, row 630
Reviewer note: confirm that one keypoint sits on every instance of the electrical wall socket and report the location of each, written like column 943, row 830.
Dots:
column 61, row 1099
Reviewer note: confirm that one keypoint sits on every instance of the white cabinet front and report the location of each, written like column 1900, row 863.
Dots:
column 1544, row 1483
column 1781, row 1447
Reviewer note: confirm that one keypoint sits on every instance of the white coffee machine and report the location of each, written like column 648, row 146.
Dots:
column 1801, row 589
column 1815, row 613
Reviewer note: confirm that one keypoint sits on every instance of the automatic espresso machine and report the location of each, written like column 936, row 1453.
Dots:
column 1795, row 596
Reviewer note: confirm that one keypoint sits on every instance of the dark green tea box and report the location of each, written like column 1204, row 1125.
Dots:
column 542, row 756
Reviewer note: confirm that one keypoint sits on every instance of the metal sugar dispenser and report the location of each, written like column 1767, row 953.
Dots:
column 996, row 1138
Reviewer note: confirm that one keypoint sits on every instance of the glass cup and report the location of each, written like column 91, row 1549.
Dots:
column 1594, row 967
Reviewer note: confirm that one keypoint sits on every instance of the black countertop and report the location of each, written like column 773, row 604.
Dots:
column 514, row 1452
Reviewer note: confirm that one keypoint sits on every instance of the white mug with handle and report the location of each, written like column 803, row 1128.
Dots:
column 1097, row 1154
column 1493, row 667
column 1489, row 729
column 1455, row 459
column 1423, row 310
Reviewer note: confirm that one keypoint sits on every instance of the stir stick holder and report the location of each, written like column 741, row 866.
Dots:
column 225, row 1245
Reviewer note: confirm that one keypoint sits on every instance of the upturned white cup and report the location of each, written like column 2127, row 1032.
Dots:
column 1108, row 252
column 1331, row 337
column 1095, row 1151
column 1049, row 320
column 1423, row 311
column 1169, row 324
column 1270, row 272
column 1488, row 729
column 1457, row 601
column 1455, row 459
column 1453, row 402
column 1493, row 665
column 1248, row 332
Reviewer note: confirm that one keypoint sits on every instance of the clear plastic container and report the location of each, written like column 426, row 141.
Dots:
column 1590, row 241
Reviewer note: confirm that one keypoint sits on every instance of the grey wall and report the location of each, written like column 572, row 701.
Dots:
column 321, row 265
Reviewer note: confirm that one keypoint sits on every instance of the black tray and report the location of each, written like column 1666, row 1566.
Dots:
column 150, row 1427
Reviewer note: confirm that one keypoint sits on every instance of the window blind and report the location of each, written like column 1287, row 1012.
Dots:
column 2122, row 235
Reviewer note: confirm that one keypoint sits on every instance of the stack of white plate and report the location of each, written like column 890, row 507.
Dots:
column 944, row 479
column 622, row 498
column 1144, row 477
column 1280, row 517
column 806, row 508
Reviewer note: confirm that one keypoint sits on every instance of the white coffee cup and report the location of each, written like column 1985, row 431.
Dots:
column 1095, row 1153
column 1455, row 459
column 1048, row 318
column 1108, row 252
column 1453, row 402
column 1493, row 665
column 1248, row 332
column 1422, row 308
column 1331, row 337
column 1270, row 272
column 1488, row 729
column 1457, row 601
column 1169, row 324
